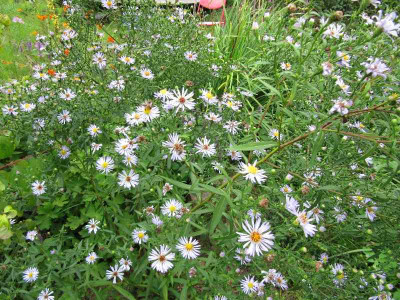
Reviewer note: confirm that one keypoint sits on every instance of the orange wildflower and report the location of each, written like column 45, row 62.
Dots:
column 41, row 17
column 51, row 72
column 66, row 52
column 110, row 40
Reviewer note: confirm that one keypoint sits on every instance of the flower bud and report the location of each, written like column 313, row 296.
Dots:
column 292, row 7
column 338, row 15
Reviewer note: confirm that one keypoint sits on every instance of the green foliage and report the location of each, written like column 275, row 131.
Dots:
column 322, row 172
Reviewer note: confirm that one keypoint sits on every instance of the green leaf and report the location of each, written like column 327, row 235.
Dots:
column 213, row 190
column 6, row 147
column 254, row 146
column 180, row 184
column 2, row 186
column 123, row 292
column 217, row 215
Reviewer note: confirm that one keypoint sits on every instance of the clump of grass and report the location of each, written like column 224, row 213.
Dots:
column 17, row 42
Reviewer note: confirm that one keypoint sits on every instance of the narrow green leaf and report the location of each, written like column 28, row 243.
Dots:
column 254, row 146
column 123, row 292
column 217, row 215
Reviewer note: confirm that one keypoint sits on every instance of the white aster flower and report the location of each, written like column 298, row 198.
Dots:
column 92, row 226
column 105, row 164
column 125, row 263
column 38, row 188
column 188, row 247
column 115, row 272
column 31, row 274
column 31, row 235
column 161, row 259
column 182, row 100
column 257, row 238
column 46, row 294
column 175, row 146
column 91, row 258
column 252, row 173
column 249, row 285
column 171, row 208
column 204, row 147
column 139, row 236
column 128, row 180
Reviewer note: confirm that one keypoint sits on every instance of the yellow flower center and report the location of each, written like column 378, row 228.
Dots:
column 255, row 236
column 189, row 246
column 276, row 133
column 250, row 285
column 95, row 129
column 109, row 3
column 27, row 105
column 104, row 165
column 229, row 103
column 340, row 276
column 147, row 110
column 252, row 170
column 209, row 95
column 346, row 57
column 63, row 152
column 163, row 92
column 147, row 73
column 30, row 275
column 140, row 235
column 172, row 208
column 137, row 117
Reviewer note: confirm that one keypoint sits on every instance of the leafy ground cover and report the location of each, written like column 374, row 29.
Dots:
column 149, row 158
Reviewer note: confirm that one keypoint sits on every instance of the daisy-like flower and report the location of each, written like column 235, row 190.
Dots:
column 46, row 294
column 324, row 258
column 304, row 219
column 100, row 60
column 204, row 147
column 105, row 164
column 345, row 59
column 234, row 155
column 148, row 112
column 166, row 188
column 38, row 188
column 27, row 107
column 171, row 208
column 31, row 274
column 146, row 73
column 91, row 258
column 64, row 152
column 130, row 159
column 161, row 259
column 286, row 189
column 157, row 221
column 213, row 117
column 64, row 117
column 341, row 106
column 92, row 226
column 125, row 263
column 109, row 4
column 257, row 237
column 327, row 68
column 232, row 127
column 269, row 276
column 128, row 180
column 139, row 236
column 275, row 134
column 340, row 275
column 133, row 119
column 188, row 247
column 67, row 95
column 127, row 60
column 163, row 94
column 115, row 272
column 9, row 110
column 220, row 298
column 175, row 146
column 249, row 285
column 280, row 282
column 376, row 67
column 208, row 97
column 286, row 66
column 123, row 147
column 182, row 100
column 252, row 173
column 94, row 130
column 386, row 23
column 191, row 56
column 334, row 31
column 242, row 257
column 31, row 235
column 95, row 147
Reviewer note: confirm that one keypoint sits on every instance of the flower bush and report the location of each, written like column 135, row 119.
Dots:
column 153, row 158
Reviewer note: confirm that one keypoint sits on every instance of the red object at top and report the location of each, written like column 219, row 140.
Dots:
column 212, row 4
